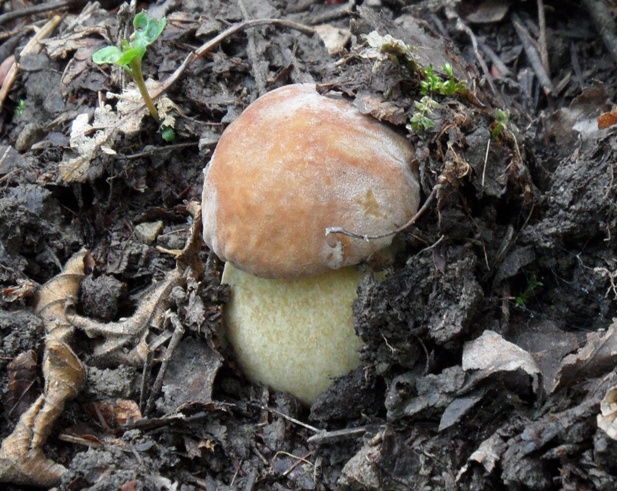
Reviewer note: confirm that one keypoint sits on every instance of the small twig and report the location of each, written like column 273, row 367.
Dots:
column 532, row 55
column 334, row 13
column 326, row 437
column 35, row 9
column 601, row 15
column 488, row 148
column 504, row 71
column 152, row 151
column 289, row 418
column 542, row 37
column 171, row 347
column 412, row 220
column 299, row 460
column 32, row 47
column 487, row 73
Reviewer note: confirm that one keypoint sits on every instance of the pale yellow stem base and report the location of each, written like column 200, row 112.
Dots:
column 293, row 335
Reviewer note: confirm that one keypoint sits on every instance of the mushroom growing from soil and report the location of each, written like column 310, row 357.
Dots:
column 292, row 165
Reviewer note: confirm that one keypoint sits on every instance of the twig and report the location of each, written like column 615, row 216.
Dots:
column 31, row 48
column 326, row 437
column 487, row 73
column 504, row 71
column 603, row 18
column 171, row 347
column 488, row 148
column 412, row 220
column 36, row 9
column 289, row 418
column 532, row 55
column 542, row 37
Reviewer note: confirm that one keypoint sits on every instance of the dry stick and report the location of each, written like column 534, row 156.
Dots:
column 36, row 9
column 32, row 47
column 487, row 73
column 600, row 13
column 171, row 347
column 532, row 55
column 542, row 38
column 499, row 64
column 414, row 219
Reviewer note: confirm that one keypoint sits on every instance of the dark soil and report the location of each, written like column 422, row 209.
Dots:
column 489, row 349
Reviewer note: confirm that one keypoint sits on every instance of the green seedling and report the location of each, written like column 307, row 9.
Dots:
column 130, row 54
column 421, row 121
column 19, row 110
column 502, row 119
column 434, row 84
column 168, row 134
column 533, row 283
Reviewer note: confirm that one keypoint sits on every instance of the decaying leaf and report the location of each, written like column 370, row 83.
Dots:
column 21, row 457
column 597, row 357
column 22, row 383
column 607, row 119
column 335, row 38
column 23, row 289
column 87, row 138
column 380, row 108
column 190, row 383
column 114, row 413
column 491, row 353
column 608, row 413
column 489, row 11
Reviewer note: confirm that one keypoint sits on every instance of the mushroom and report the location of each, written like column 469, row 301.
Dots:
column 294, row 164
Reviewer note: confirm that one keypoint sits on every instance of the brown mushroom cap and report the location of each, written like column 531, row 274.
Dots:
column 295, row 163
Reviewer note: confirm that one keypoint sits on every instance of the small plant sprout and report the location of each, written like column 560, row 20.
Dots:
column 130, row 54
column 502, row 119
column 420, row 121
column 19, row 110
column 522, row 299
column 434, row 84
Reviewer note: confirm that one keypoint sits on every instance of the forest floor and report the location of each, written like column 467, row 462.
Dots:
column 489, row 349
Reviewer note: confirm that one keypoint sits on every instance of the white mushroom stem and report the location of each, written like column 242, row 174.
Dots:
column 293, row 335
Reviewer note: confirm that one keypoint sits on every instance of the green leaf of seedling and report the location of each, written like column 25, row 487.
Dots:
column 168, row 134
column 147, row 29
column 108, row 54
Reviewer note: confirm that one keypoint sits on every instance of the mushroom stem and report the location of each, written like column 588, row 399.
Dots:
column 293, row 335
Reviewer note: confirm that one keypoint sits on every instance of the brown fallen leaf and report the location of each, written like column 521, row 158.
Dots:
column 22, row 460
column 597, row 357
column 22, row 383
column 607, row 419
column 607, row 119
column 114, row 413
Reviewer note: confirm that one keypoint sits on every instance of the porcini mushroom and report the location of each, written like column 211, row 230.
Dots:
column 292, row 165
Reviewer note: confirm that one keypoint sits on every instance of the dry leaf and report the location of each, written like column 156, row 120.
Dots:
column 608, row 413
column 607, row 119
column 597, row 357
